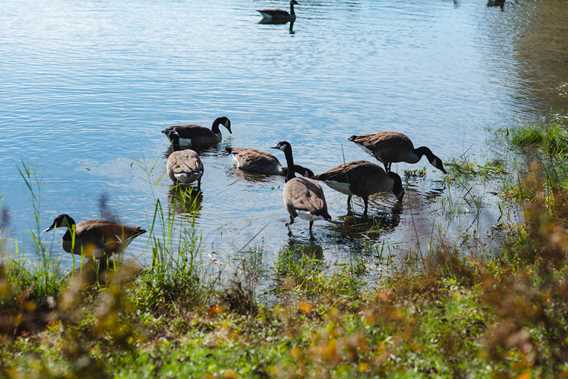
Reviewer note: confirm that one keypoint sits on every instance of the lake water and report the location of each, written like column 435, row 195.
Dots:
column 87, row 86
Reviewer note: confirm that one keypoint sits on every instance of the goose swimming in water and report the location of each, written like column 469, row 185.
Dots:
column 278, row 16
column 183, row 166
column 389, row 147
column 260, row 162
column 196, row 135
column 362, row 178
column 94, row 238
column 302, row 197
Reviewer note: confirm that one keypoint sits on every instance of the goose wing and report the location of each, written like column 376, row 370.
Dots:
column 107, row 236
column 392, row 140
column 305, row 195
column 252, row 159
column 273, row 12
column 342, row 173
column 189, row 131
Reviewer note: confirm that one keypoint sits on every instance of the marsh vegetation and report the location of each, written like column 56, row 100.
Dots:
column 452, row 310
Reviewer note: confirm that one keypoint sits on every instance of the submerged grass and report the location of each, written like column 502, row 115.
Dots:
column 453, row 312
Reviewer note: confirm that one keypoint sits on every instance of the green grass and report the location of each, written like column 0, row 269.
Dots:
column 550, row 138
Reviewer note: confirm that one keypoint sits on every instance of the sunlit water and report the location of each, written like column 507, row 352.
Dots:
column 87, row 86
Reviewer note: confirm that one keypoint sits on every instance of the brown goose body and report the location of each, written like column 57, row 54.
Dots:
column 184, row 167
column 196, row 135
column 95, row 238
column 392, row 147
column 302, row 197
column 361, row 178
column 260, row 162
column 255, row 161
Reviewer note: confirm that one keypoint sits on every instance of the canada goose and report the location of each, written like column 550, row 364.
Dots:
column 196, row 135
column 278, row 16
column 183, row 166
column 260, row 162
column 496, row 3
column 95, row 238
column 362, row 178
column 302, row 197
column 389, row 147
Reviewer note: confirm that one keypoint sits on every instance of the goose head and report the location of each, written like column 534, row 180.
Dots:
column 437, row 162
column 283, row 146
column 397, row 188
column 173, row 136
column 294, row 2
column 61, row 221
column 223, row 120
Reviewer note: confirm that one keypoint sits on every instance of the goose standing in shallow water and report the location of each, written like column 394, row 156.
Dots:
column 302, row 197
column 95, row 238
column 196, row 135
column 183, row 166
column 389, row 147
column 362, row 178
column 278, row 16
column 260, row 162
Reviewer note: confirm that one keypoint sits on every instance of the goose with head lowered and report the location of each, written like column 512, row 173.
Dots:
column 260, row 162
column 196, row 135
column 389, row 147
column 94, row 238
column 362, row 178
column 278, row 16
column 302, row 197
column 183, row 166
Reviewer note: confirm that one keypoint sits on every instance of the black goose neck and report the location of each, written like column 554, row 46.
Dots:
column 289, row 163
column 292, row 9
column 423, row 150
column 215, row 127
column 71, row 227
column 175, row 143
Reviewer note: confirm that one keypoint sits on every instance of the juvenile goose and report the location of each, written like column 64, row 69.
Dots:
column 362, row 178
column 95, row 238
column 183, row 166
column 260, row 162
column 278, row 16
column 302, row 196
column 389, row 147
column 196, row 135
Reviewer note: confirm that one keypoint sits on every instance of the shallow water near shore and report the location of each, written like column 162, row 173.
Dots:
column 86, row 88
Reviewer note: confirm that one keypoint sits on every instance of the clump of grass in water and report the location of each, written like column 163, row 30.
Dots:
column 465, row 169
column 552, row 138
column 176, row 273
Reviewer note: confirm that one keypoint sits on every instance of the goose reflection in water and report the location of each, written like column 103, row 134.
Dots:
column 185, row 200
column 297, row 248
column 354, row 226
